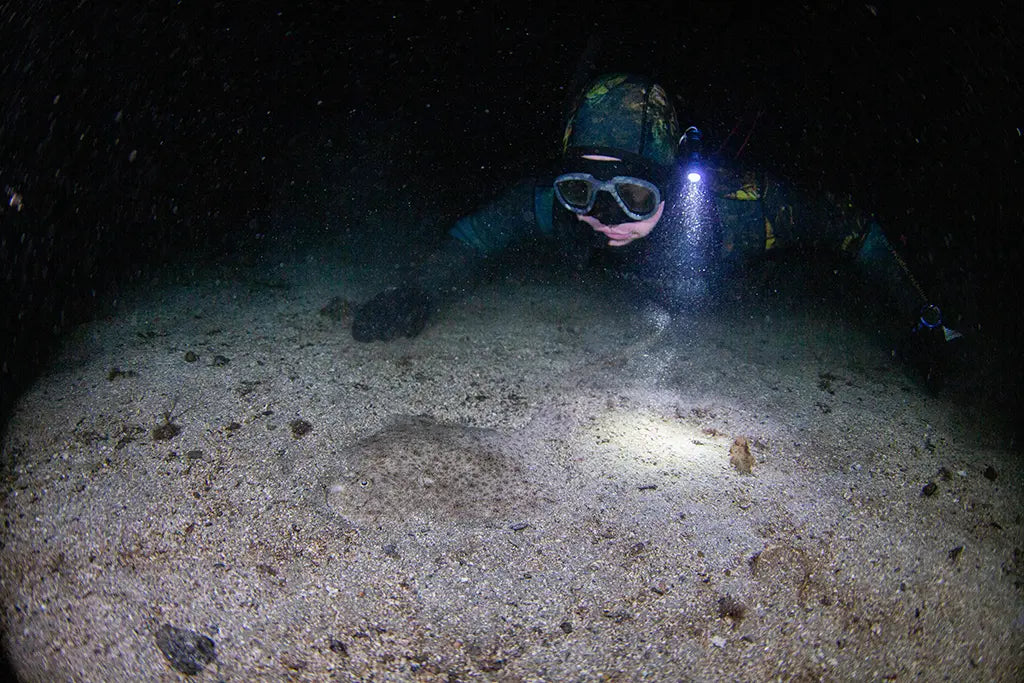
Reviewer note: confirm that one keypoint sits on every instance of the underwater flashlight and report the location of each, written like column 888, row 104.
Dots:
column 690, row 148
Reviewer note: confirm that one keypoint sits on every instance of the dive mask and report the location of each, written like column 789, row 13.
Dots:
column 638, row 198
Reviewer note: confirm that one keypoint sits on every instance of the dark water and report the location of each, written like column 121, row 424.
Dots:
column 134, row 138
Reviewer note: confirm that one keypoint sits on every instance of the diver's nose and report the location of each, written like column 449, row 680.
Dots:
column 607, row 210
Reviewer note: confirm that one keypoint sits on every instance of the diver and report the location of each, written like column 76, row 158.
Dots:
column 636, row 196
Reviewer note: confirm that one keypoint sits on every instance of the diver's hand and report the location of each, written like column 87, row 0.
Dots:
column 397, row 311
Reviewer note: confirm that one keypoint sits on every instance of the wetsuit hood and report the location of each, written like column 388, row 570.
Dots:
column 625, row 116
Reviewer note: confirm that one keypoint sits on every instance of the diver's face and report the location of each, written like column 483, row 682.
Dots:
column 606, row 217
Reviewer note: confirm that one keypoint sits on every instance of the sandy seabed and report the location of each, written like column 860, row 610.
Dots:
column 216, row 480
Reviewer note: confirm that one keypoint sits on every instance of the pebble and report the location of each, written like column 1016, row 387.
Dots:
column 166, row 431
column 187, row 651
column 718, row 641
column 300, row 428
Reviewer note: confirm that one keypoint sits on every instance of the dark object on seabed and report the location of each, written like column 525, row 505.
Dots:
column 930, row 350
column 337, row 309
column 395, row 312
column 300, row 428
column 187, row 651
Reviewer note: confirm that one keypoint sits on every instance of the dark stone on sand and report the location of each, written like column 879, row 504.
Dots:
column 166, row 431
column 731, row 608
column 300, row 428
column 338, row 647
column 990, row 473
column 929, row 489
column 187, row 651
column 116, row 373
column 566, row 627
column 191, row 357
column 220, row 361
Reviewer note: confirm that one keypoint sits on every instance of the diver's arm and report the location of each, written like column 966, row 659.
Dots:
column 453, row 270
column 834, row 222
column 475, row 240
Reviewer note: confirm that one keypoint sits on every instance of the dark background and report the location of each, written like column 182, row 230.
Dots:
column 141, row 134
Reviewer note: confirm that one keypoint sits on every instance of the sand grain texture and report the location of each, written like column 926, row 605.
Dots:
column 562, row 507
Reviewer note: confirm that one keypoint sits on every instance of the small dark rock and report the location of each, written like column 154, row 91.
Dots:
column 825, row 380
column 990, row 473
column 115, row 373
column 187, row 651
column 954, row 554
column 166, row 431
column 220, row 361
column 300, row 428
column 391, row 550
column 945, row 474
column 732, row 608
column 619, row 616
column 929, row 489
column 232, row 426
column 194, row 455
column 191, row 357
column 636, row 549
column 566, row 627
column 246, row 387
column 293, row 662
column 519, row 526
column 338, row 647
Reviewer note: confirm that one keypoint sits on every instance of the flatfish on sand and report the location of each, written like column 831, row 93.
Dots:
column 417, row 469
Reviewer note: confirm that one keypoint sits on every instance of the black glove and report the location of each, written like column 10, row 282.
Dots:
column 397, row 311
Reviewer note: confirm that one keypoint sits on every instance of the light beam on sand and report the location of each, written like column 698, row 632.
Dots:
column 646, row 442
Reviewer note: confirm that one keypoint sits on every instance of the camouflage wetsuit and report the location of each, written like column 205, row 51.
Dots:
column 742, row 218
column 623, row 130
